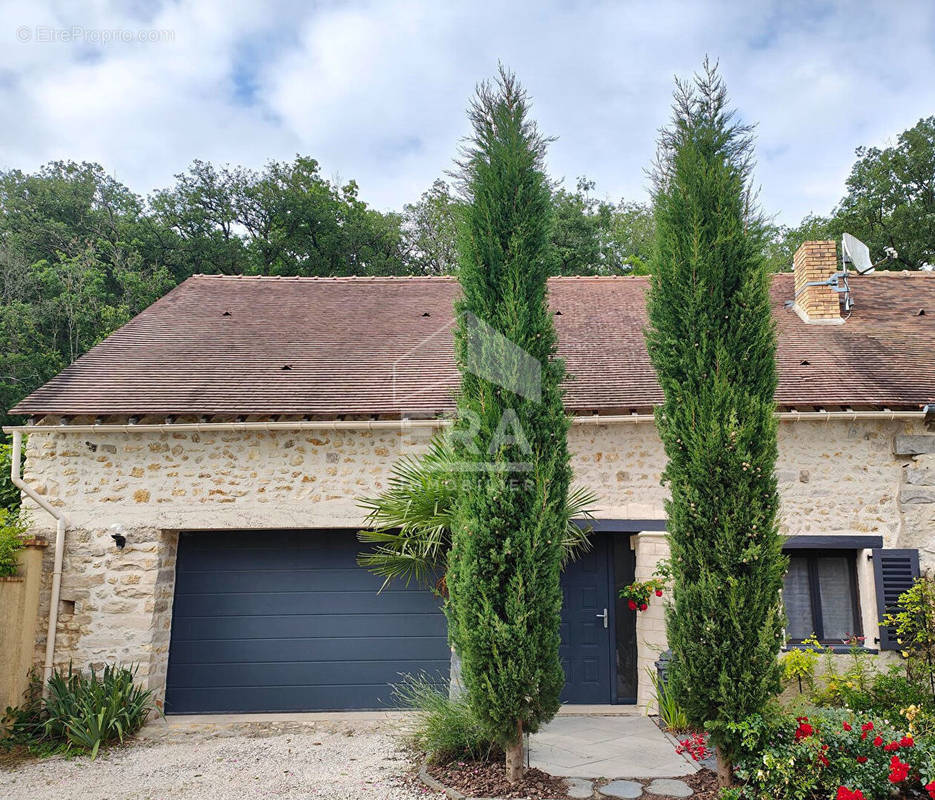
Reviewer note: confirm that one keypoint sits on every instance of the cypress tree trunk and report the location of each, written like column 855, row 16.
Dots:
column 455, row 684
column 514, row 756
column 510, row 436
column 712, row 344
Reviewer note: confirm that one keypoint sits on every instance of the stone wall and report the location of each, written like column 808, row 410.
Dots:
column 835, row 478
column 917, row 494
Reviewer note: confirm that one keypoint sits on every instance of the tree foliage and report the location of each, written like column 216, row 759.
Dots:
column 598, row 237
column 890, row 203
column 712, row 343
column 78, row 258
column 510, row 435
column 80, row 253
column 890, row 200
column 588, row 236
column 430, row 231
column 410, row 521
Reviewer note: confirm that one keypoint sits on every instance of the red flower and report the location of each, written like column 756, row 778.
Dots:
column 899, row 770
column 847, row 726
column 631, row 604
column 861, row 759
column 930, row 788
column 643, row 606
column 891, row 747
column 695, row 745
column 906, row 741
column 846, row 794
column 804, row 730
column 867, row 726
column 658, row 592
column 878, row 741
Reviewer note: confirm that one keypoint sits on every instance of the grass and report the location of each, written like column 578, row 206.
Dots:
column 444, row 729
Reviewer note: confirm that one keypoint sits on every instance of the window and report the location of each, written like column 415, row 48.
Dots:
column 820, row 596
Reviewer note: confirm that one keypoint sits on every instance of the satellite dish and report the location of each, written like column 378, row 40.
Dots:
column 857, row 254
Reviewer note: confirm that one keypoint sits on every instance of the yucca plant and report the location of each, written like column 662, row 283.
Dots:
column 670, row 712
column 87, row 712
column 410, row 522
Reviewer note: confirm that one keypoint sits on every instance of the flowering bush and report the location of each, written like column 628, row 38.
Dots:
column 639, row 593
column 833, row 755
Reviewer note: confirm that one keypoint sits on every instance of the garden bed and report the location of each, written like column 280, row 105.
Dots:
column 488, row 779
column 473, row 779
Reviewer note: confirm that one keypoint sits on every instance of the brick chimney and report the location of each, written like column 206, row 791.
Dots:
column 816, row 302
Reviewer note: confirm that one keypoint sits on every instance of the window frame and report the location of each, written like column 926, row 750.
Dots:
column 811, row 556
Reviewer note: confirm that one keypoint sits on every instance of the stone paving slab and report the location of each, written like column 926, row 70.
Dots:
column 668, row 786
column 628, row 790
column 580, row 788
column 606, row 747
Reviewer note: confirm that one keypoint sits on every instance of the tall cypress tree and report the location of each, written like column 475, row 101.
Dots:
column 712, row 343
column 503, row 580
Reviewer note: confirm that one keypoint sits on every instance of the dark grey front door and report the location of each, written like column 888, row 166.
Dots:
column 588, row 626
column 287, row 621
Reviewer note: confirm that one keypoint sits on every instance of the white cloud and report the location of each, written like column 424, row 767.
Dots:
column 376, row 90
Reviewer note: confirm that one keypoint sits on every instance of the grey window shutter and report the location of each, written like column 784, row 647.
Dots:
column 894, row 571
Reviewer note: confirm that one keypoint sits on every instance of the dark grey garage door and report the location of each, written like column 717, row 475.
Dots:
column 287, row 621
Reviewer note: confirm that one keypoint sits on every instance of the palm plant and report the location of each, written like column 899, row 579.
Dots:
column 409, row 523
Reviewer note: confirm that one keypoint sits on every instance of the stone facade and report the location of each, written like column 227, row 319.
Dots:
column 836, row 477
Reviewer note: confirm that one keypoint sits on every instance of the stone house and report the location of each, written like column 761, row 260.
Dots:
column 207, row 458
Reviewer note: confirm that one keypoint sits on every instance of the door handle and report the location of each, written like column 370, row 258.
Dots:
column 603, row 616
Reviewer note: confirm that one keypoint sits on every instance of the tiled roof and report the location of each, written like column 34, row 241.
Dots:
column 383, row 346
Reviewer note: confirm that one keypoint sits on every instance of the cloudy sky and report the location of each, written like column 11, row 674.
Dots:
column 376, row 90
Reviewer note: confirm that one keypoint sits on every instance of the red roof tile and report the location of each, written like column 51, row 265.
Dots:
column 327, row 347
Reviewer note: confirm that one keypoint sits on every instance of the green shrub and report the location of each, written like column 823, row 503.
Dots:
column 849, row 688
column 798, row 665
column 444, row 729
column 81, row 713
column 13, row 527
column 915, row 631
column 810, row 757
column 23, row 724
column 885, row 694
column 9, row 494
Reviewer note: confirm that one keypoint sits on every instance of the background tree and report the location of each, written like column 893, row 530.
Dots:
column 781, row 241
column 78, row 257
column 503, row 570
column 598, row 237
column 430, row 231
column 202, row 217
column 890, row 200
column 712, row 344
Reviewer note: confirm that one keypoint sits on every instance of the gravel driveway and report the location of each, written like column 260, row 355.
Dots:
column 257, row 760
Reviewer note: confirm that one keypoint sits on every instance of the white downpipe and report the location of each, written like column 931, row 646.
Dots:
column 410, row 424
column 60, row 523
